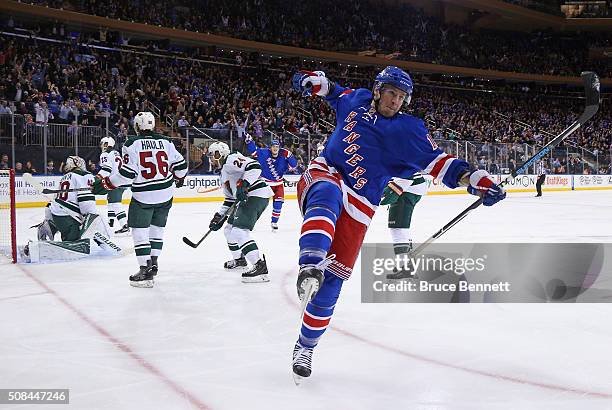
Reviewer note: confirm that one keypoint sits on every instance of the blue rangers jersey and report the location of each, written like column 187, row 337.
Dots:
column 272, row 169
column 368, row 149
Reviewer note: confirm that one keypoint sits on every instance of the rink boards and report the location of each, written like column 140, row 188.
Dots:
column 203, row 188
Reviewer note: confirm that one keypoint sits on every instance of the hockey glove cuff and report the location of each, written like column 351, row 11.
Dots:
column 312, row 83
column 391, row 194
column 482, row 185
column 101, row 186
column 217, row 222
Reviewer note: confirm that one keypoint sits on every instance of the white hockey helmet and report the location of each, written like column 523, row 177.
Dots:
column 218, row 147
column 74, row 162
column 109, row 141
column 144, row 121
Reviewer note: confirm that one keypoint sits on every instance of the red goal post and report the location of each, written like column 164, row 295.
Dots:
column 8, row 225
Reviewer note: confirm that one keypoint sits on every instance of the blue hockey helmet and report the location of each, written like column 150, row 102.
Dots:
column 275, row 142
column 396, row 77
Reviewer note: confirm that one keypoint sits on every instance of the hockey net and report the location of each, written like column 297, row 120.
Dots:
column 8, row 227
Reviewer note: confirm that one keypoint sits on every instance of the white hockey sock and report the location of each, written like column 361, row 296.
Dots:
column 402, row 240
column 142, row 246
column 156, row 239
column 117, row 209
column 231, row 241
column 247, row 246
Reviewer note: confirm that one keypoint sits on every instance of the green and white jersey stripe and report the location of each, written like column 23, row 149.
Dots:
column 152, row 164
column 74, row 204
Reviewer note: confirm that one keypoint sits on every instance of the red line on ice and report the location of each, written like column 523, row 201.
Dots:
column 23, row 296
column 121, row 345
column 292, row 300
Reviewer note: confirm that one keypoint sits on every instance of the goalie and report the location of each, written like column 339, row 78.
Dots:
column 73, row 214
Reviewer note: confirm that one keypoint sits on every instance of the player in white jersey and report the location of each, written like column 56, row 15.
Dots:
column 110, row 162
column 153, row 166
column 242, row 183
column 73, row 213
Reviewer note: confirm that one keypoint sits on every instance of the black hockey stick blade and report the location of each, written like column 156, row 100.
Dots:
column 592, row 97
column 591, row 91
column 189, row 243
column 196, row 244
column 56, row 191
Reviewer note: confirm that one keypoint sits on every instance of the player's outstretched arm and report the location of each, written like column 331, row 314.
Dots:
column 250, row 144
column 453, row 172
column 312, row 83
column 124, row 175
column 480, row 183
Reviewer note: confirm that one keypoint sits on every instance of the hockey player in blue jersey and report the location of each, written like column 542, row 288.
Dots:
column 338, row 194
column 274, row 163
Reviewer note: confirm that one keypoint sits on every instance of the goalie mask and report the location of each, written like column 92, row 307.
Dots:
column 73, row 163
column 144, row 121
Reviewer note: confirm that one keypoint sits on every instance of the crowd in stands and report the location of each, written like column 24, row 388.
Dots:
column 359, row 25
column 545, row 6
column 71, row 82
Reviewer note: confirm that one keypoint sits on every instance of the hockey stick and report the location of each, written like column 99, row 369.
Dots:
column 38, row 186
column 56, row 191
column 188, row 242
column 27, row 177
column 591, row 88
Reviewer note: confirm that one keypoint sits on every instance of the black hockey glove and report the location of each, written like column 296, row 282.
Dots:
column 217, row 222
column 179, row 182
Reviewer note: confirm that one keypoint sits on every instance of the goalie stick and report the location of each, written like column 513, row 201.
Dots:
column 591, row 89
column 188, row 242
column 38, row 186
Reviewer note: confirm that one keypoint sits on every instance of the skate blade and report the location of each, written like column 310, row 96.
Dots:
column 256, row 279
column 297, row 379
column 239, row 270
column 142, row 284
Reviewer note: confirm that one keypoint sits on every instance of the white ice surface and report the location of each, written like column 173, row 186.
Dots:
column 202, row 339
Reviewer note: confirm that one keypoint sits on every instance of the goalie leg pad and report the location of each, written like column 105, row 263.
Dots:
column 51, row 251
column 95, row 229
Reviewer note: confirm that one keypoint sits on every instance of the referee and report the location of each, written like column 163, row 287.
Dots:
column 541, row 171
